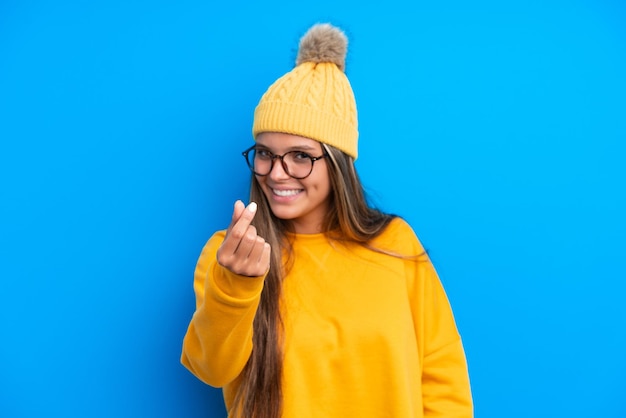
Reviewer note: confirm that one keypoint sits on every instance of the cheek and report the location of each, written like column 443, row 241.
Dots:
column 322, row 185
column 262, row 185
column 261, row 181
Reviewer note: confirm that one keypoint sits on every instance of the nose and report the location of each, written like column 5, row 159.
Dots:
column 278, row 171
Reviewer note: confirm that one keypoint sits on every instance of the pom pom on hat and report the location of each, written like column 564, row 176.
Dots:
column 323, row 43
column 315, row 99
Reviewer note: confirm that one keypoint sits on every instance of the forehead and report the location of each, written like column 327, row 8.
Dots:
column 278, row 141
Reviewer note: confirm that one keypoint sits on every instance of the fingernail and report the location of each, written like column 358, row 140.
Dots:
column 252, row 207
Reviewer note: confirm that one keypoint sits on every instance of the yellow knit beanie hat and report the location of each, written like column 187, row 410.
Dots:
column 315, row 99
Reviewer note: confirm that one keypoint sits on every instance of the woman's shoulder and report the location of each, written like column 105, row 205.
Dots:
column 213, row 243
column 398, row 223
column 398, row 226
column 399, row 236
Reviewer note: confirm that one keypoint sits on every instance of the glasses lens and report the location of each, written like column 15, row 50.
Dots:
column 299, row 164
column 260, row 161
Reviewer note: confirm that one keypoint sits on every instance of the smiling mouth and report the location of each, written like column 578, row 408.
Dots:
column 286, row 193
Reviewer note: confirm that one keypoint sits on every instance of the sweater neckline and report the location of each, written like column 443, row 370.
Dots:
column 307, row 237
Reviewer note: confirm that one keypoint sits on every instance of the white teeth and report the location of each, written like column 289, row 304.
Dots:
column 286, row 192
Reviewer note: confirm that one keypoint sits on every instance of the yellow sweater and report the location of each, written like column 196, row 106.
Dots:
column 366, row 334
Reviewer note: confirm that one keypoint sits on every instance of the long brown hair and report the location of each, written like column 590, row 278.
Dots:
column 350, row 218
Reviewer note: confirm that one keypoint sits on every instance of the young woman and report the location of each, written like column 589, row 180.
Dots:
column 312, row 303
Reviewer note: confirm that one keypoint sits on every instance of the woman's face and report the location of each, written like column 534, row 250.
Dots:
column 303, row 202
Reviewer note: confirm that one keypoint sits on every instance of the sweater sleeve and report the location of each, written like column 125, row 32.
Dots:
column 445, row 381
column 218, row 341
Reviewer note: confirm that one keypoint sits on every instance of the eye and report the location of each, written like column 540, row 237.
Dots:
column 300, row 156
column 263, row 154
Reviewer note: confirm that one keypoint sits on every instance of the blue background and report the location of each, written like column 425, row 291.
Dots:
column 496, row 128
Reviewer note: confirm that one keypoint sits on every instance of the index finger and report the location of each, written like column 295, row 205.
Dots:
column 240, row 224
column 237, row 211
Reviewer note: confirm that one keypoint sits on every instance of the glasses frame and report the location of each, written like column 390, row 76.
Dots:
column 274, row 157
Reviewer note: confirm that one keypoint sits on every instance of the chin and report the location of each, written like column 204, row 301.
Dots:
column 283, row 213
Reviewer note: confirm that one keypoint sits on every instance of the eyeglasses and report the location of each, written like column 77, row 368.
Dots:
column 297, row 164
